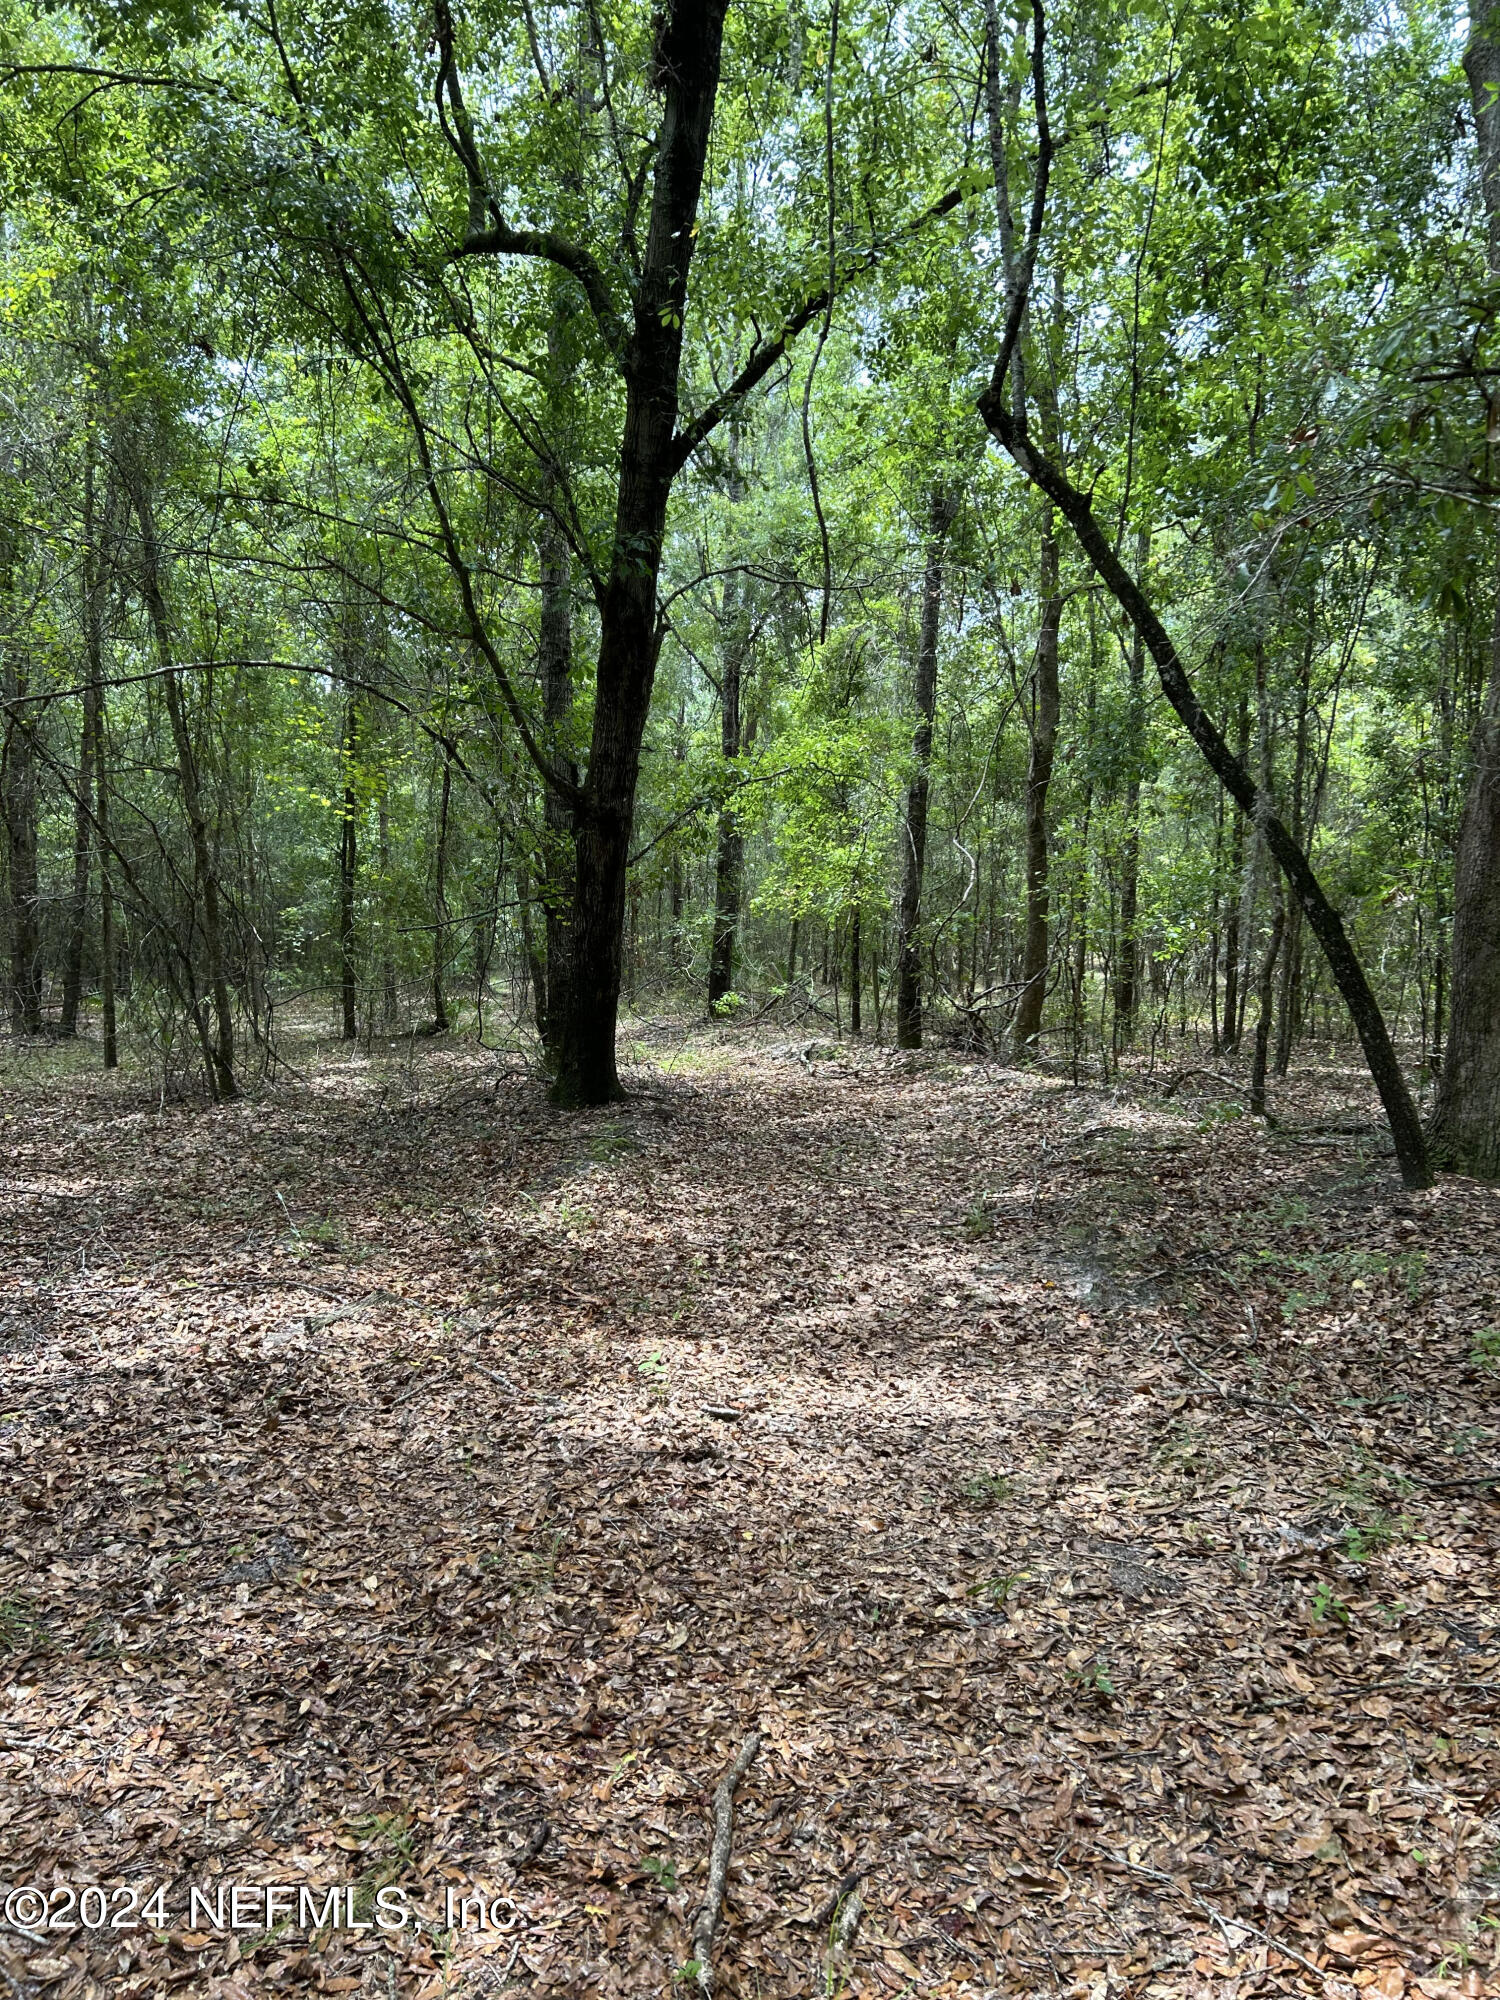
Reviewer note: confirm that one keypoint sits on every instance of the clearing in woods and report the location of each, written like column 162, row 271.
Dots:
column 1085, row 1492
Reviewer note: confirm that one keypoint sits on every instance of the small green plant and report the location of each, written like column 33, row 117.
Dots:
column 997, row 1591
column 728, row 1005
column 536, row 1574
column 1486, row 1352
column 1220, row 1112
column 611, row 1142
column 664, row 1872
column 20, row 1629
column 1328, row 1608
column 986, row 1490
column 978, row 1223
column 1094, row 1678
column 690, row 1968
column 653, row 1370
column 1367, row 1538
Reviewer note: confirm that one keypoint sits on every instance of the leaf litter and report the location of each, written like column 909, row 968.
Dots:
column 1089, row 1497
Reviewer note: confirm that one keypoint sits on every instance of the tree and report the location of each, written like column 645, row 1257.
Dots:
column 1466, row 1119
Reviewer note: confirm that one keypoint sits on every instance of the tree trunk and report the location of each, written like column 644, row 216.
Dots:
column 856, row 974
column 1323, row 920
column 1267, row 993
column 388, row 995
column 348, row 878
column 533, row 951
column 221, row 1078
column 1466, row 1118
column 650, row 458
column 1127, row 979
column 914, row 848
column 93, row 729
column 1288, row 1013
column 1045, row 705
column 440, row 906
column 108, row 1026
column 78, row 902
column 1233, row 1000
column 729, row 873
column 555, row 667
column 20, row 789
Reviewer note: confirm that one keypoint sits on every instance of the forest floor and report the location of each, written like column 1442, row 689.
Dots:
column 407, row 1486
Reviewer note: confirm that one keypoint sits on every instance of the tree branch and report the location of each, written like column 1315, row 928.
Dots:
column 487, row 233
column 764, row 357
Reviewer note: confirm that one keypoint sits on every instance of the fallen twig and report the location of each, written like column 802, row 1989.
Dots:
column 706, row 1923
column 1242, row 1401
column 1212, row 1910
column 493, row 1375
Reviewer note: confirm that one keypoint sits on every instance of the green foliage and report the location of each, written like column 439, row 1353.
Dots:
column 1263, row 320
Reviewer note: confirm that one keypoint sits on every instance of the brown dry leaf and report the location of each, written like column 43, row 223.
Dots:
column 1083, row 1631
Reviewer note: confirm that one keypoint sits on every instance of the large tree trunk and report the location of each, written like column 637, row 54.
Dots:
column 688, row 67
column 1045, row 708
column 1466, row 1118
column 914, row 846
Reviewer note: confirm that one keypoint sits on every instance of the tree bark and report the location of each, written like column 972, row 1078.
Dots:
column 1045, row 708
column 220, row 1050
column 20, row 796
column 1233, row 999
column 729, row 870
column 688, row 67
column 349, row 878
column 78, row 901
column 1127, row 979
column 93, row 729
column 856, row 973
column 555, row 670
column 1288, row 1012
column 1267, row 996
column 1322, row 919
column 1466, row 1117
column 440, row 906
column 388, row 995
column 108, row 1024
column 940, row 515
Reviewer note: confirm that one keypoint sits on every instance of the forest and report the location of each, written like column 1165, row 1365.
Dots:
column 750, row 760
